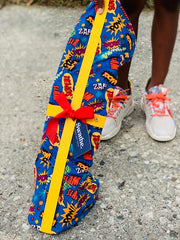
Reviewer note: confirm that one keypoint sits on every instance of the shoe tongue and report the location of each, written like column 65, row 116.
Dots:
column 120, row 91
column 158, row 89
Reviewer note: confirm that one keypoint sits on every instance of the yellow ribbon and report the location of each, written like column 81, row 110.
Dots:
column 61, row 158
column 98, row 121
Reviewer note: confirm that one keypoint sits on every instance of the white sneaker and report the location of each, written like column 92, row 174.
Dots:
column 121, row 106
column 160, row 124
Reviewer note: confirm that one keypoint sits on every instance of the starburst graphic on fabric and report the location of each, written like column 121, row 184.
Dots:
column 69, row 214
column 32, row 209
column 97, row 104
column 45, row 158
column 111, row 44
column 68, row 63
column 83, row 199
column 116, row 25
column 42, row 177
column 79, row 51
column 86, row 183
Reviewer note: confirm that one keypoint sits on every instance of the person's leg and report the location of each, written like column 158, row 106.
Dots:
column 122, row 103
column 155, row 102
column 133, row 9
column 164, row 31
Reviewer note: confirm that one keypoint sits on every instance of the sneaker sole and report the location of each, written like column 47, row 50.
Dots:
column 116, row 130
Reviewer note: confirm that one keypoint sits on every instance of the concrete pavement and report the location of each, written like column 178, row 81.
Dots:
column 140, row 179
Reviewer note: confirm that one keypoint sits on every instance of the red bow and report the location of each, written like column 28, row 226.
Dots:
column 82, row 113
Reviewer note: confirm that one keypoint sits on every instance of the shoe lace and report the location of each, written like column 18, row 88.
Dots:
column 116, row 103
column 158, row 103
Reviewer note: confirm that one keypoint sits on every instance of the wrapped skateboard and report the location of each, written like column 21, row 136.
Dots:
column 64, row 189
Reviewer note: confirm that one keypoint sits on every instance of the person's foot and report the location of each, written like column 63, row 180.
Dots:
column 121, row 106
column 160, row 124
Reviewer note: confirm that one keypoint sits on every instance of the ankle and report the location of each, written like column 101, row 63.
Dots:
column 153, row 82
column 125, row 86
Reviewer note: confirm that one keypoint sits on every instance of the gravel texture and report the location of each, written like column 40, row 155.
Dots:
column 140, row 179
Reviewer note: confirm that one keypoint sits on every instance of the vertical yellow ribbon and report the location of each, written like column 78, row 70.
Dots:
column 59, row 167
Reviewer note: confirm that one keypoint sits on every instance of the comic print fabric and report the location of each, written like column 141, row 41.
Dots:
column 79, row 189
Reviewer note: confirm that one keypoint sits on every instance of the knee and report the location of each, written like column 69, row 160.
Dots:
column 170, row 5
column 133, row 7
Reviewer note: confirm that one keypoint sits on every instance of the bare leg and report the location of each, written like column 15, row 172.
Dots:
column 133, row 9
column 164, row 31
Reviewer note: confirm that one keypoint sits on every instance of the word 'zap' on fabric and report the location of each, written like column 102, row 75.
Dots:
column 64, row 189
